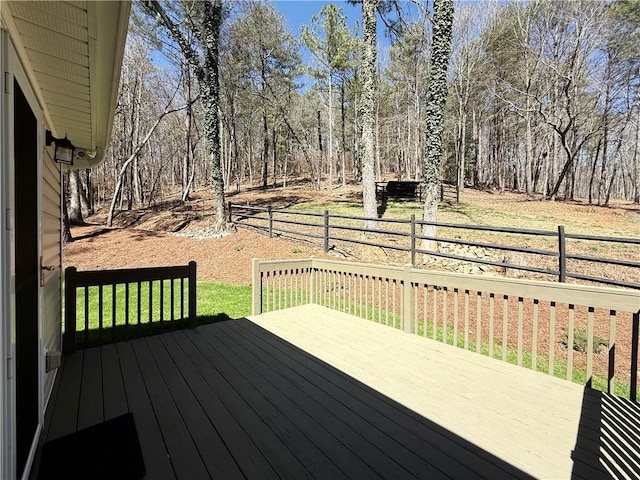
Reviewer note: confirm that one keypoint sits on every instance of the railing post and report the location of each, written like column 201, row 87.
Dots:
column 193, row 315
column 256, row 287
column 562, row 251
column 326, row 231
column 69, row 339
column 270, row 213
column 407, row 300
column 633, row 389
column 413, row 240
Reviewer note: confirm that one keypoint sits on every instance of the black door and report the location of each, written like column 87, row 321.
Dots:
column 27, row 272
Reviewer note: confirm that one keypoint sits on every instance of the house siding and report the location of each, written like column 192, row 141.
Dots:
column 51, row 253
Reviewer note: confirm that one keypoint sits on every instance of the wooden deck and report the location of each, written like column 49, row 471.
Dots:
column 308, row 392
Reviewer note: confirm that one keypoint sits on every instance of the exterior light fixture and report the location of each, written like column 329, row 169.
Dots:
column 64, row 149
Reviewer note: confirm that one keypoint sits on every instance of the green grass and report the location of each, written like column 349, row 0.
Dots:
column 215, row 302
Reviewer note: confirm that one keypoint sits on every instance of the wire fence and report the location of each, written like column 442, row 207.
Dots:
column 512, row 251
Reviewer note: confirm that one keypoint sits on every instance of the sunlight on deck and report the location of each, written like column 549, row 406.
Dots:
column 528, row 419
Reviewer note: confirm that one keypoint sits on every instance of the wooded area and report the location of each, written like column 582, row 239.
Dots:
column 544, row 98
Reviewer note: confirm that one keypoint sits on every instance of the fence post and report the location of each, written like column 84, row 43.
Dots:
column 326, row 231
column 407, row 300
column 633, row 388
column 562, row 251
column 230, row 207
column 256, row 287
column 413, row 240
column 441, row 192
column 69, row 339
column 270, row 213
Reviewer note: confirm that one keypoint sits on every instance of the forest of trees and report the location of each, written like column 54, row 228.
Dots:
column 543, row 98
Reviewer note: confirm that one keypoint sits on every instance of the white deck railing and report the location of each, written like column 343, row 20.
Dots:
column 582, row 333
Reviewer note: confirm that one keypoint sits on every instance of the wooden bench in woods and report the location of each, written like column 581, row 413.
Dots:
column 399, row 189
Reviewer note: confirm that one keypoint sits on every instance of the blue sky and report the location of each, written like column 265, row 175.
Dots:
column 298, row 12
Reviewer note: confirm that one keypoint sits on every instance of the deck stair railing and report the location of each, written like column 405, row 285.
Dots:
column 582, row 333
column 118, row 304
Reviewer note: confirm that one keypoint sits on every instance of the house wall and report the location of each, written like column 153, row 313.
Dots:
column 51, row 256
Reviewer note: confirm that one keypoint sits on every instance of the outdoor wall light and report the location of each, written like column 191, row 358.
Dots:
column 64, row 149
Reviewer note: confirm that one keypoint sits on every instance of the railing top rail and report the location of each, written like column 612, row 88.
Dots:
column 487, row 228
column 297, row 212
column 597, row 297
column 274, row 265
column 89, row 278
column 578, row 236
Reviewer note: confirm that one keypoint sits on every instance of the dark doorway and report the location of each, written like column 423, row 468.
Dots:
column 27, row 270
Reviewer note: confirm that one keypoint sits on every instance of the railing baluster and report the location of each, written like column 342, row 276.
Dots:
column 570, row 343
column 126, row 310
column 534, row 340
column 612, row 352
column 173, row 300
column 435, row 312
column 466, row 319
column 456, row 314
column 520, row 329
column 100, row 313
column 491, row 323
column 552, row 336
column 445, row 314
column 478, row 322
column 86, row 315
column 590, row 345
column 150, row 303
column 505, row 326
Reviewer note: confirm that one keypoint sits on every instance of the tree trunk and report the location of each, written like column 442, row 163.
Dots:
column 66, row 231
column 436, row 100
column 75, row 206
column 367, row 111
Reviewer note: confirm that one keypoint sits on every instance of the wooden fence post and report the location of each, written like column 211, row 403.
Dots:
column 407, row 300
column 326, row 231
column 69, row 338
column 562, row 254
column 413, row 240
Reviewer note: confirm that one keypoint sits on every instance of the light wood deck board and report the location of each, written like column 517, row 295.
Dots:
column 470, row 397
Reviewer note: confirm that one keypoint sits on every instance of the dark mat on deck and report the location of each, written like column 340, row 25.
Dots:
column 108, row 450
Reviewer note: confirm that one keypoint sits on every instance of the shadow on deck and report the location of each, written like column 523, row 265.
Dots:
column 234, row 400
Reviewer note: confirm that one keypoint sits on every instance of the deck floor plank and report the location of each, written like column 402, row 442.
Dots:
column 241, row 445
column 282, row 460
column 211, row 448
column 366, row 439
column 456, row 460
column 90, row 408
column 65, row 411
column 263, row 374
column 115, row 398
column 180, row 446
column 154, row 451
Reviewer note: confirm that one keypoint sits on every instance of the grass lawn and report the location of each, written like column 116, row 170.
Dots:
column 215, row 302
